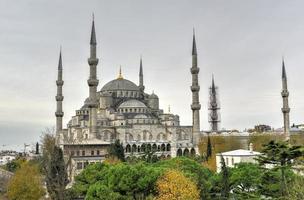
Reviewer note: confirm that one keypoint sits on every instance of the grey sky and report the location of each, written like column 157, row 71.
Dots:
column 241, row 42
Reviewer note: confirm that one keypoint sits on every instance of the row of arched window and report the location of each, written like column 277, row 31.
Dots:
column 132, row 110
column 125, row 94
column 186, row 152
column 146, row 136
column 147, row 147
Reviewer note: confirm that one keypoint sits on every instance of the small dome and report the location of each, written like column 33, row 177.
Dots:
column 153, row 96
column 132, row 104
column 120, row 84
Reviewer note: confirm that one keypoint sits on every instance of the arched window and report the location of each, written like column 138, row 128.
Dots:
column 179, row 152
column 149, row 147
column 143, row 147
column 128, row 148
column 134, row 148
column 168, row 147
column 186, row 152
column 192, row 152
column 163, row 147
column 154, row 147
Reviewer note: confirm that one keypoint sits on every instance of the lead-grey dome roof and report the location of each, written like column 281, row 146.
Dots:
column 133, row 103
column 120, row 84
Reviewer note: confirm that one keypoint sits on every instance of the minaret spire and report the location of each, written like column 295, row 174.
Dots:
column 59, row 97
column 285, row 95
column 93, row 83
column 214, row 114
column 195, row 88
column 141, row 78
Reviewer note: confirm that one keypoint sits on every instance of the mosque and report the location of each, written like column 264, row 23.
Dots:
column 122, row 110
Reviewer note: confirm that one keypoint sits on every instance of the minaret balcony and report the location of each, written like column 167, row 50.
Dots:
column 286, row 110
column 59, row 114
column 93, row 61
column 59, row 83
column 195, row 88
column 194, row 70
column 92, row 104
column 285, row 93
column 196, row 106
column 59, row 98
column 93, row 82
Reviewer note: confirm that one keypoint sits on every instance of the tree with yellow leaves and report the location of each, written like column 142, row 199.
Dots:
column 26, row 184
column 174, row 185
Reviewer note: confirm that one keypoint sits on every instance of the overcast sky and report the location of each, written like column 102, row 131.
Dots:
column 240, row 42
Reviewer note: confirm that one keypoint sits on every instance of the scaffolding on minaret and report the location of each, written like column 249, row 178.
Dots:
column 214, row 117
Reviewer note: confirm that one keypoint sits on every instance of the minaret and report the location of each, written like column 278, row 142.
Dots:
column 285, row 95
column 141, row 78
column 59, row 97
column 93, row 83
column 214, row 115
column 195, row 106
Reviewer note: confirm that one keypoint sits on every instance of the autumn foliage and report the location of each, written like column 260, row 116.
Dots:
column 174, row 185
column 26, row 184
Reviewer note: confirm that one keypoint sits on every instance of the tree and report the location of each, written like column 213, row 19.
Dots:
column 15, row 164
column 26, row 184
column 56, row 175
column 296, row 191
column 116, row 149
column 174, row 185
column 225, row 187
column 37, row 148
column 245, row 180
column 102, row 192
column 209, row 148
column 280, row 155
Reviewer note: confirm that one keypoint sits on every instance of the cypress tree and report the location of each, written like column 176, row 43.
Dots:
column 209, row 148
column 56, row 175
column 116, row 149
column 225, row 186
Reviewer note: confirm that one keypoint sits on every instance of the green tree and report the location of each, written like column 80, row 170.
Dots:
column 296, row 191
column 225, row 186
column 56, row 175
column 245, row 180
column 116, row 150
column 15, row 164
column 209, row 148
column 280, row 155
column 98, row 191
column 26, row 184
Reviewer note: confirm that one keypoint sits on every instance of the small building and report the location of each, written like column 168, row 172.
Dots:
column 4, row 159
column 234, row 157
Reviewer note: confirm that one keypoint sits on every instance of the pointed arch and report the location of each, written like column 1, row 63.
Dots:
column 128, row 148
column 134, row 148
column 179, row 152
column 186, row 152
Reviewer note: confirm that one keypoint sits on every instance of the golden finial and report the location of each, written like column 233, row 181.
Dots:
column 120, row 74
column 169, row 110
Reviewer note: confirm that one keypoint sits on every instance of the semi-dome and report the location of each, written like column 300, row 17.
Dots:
column 153, row 96
column 132, row 104
column 120, row 84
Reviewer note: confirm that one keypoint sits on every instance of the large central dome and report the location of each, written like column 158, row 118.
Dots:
column 120, row 84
